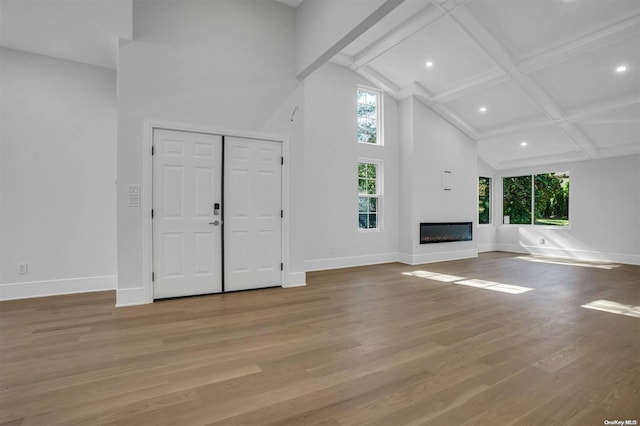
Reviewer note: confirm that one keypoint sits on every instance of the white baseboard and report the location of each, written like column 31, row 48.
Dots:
column 31, row 289
column 586, row 255
column 485, row 247
column 444, row 256
column 349, row 262
column 295, row 279
column 131, row 297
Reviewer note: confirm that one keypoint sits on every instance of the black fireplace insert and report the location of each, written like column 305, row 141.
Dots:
column 445, row 232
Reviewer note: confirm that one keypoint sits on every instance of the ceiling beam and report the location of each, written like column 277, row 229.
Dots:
column 486, row 41
column 426, row 16
column 626, row 28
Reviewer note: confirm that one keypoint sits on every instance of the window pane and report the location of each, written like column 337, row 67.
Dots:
column 371, row 187
column 373, row 220
column 367, row 108
column 363, row 204
column 373, row 204
column 484, row 200
column 517, row 200
column 362, row 221
column 362, row 170
column 371, row 172
column 552, row 199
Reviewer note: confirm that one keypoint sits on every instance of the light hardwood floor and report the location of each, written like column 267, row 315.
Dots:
column 368, row 345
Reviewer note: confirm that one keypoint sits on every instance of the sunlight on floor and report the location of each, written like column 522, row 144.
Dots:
column 487, row 285
column 434, row 276
column 490, row 285
column 614, row 308
column 567, row 262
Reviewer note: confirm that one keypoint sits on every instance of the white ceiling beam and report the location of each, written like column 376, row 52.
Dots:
column 485, row 40
column 516, row 128
column 451, row 117
column 380, row 80
column 342, row 59
column 401, row 32
column 544, row 159
column 601, row 109
column 626, row 28
column 620, row 150
column 470, row 86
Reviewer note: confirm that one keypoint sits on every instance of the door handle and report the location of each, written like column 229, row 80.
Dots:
column 216, row 222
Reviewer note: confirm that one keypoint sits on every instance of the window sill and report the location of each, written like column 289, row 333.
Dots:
column 514, row 225
column 368, row 231
column 370, row 144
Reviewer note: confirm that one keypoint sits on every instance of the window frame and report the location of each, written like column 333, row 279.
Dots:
column 379, row 194
column 533, row 202
column 379, row 114
column 491, row 204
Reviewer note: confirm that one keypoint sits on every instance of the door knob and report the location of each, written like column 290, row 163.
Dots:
column 215, row 222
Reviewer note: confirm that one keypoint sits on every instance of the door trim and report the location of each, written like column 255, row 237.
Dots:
column 146, row 190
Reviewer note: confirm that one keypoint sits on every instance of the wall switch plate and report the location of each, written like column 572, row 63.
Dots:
column 23, row 268
column 134, row 189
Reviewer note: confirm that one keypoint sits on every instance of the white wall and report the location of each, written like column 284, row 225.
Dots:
column 332, row 238
column 485, row 235
column 58, row 170
column 438, row 146
column 324, row 27
column 227, row 64
column 604, row 212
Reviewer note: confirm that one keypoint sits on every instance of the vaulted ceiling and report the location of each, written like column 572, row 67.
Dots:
column 532, row 81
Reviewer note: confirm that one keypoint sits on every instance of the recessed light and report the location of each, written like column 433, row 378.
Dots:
column 621, row 68
column 523, row 143
column 482, row 109
column 429, row 64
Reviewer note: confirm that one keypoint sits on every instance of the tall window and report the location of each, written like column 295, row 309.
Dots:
column 369, row 194
column 537, row 199
column 484, row 200
column 369, row 116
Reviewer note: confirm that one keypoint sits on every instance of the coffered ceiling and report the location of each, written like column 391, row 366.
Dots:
column 532, row 81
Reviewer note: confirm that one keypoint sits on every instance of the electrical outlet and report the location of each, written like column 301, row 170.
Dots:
column 541, row 240
column 23, row 268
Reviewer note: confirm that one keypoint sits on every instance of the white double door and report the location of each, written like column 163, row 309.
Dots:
column 216, row 217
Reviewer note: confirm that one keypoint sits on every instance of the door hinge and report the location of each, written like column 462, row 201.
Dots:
column 281, row 213
column 281, row 160
column 153, row 276
column 153, row 150
column 151, row 213
column 282, row 266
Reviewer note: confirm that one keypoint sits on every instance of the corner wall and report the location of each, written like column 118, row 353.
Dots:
column 57, row 176
column 604, row 207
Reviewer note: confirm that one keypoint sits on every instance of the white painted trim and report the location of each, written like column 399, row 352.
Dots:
column 295, row 279
column 575, row 254
column 147, row 190
column 349, row 262
column 31, row 289
column 486, row 247
column 131, row 296
column 444, row 256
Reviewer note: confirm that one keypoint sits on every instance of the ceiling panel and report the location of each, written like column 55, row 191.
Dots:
column 541, row 142
column 526, row 27
column 616, row 128
column 456, row 58
column 506, row 105
column 592, row 77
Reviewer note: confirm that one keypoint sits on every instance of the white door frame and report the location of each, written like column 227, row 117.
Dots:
column 146, row 190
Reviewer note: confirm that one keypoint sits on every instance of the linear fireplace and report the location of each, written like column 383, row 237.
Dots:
column 444, row 232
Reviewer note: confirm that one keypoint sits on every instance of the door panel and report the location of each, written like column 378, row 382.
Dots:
column 253, row 226
column 187, row 170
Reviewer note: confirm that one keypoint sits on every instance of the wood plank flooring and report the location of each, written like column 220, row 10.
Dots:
column 380, row 345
